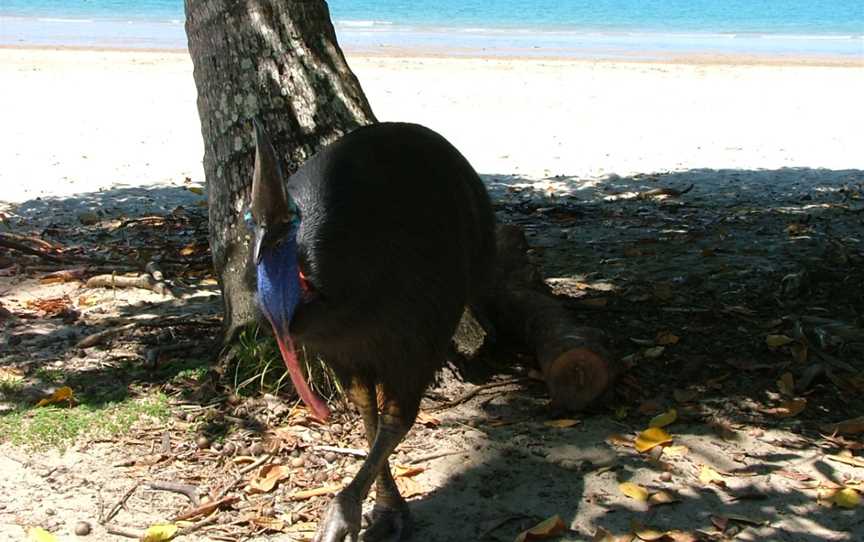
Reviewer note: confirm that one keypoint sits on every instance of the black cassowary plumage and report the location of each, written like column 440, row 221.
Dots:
column 368, row 256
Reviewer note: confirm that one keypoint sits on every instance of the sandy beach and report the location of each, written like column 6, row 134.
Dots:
column 78, row 121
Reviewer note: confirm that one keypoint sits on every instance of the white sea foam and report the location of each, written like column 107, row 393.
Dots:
column 63, row 20
column 362, row 23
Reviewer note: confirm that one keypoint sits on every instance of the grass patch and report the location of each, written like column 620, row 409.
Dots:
column 52, row 376
column 59, row 426
column 258, row 368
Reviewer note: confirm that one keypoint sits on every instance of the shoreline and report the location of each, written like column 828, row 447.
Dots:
column 407, row 53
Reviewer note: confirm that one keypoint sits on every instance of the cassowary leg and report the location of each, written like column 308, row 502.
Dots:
column 342, row 523
column 390, row 518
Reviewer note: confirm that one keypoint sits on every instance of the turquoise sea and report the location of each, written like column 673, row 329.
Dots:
column 608, row 28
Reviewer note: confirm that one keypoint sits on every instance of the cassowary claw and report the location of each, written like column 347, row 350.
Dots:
column 387, row 524
column 342, row 523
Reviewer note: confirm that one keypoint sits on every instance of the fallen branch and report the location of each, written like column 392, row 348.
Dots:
column 123, row 531
column 192, row 528
column 120, row 504
column 240, row 474
column 474, row 391
column 316, row 492
column 663, row 191
column 98, row 338
column 205, row 509
column 191, row 492
column 356, row 452
column 143, row 281
column 434, row 455
column 8, row 241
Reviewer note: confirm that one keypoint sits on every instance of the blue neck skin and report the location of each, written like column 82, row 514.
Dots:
column 279, row 289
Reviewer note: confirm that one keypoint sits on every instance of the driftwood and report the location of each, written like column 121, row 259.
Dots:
column 143, row 281
column 574, row 361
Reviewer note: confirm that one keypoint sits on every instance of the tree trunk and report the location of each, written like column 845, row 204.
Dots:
column 279, row 61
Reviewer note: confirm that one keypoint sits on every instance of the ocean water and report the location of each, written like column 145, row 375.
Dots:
column 497, row 27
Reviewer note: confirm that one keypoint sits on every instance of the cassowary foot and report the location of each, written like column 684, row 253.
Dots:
column 386, row 524
column 342, row 522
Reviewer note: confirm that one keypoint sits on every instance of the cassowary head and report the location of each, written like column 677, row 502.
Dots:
column 274, row 219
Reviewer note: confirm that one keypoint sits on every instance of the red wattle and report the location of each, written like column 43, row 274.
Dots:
column 313, row 401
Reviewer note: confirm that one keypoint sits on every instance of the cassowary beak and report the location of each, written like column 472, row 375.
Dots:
column 258, row 243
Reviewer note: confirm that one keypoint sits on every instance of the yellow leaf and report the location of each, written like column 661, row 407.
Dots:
column 195, row 190
column 38, row 534
column 634, row 491
column 707, row 476
column 159, row 533
column 62, row 394
column 665, row 338
column 786, row 384
column 646, row 533
column 662, row 497
column 561, row 424
column 662, row 420
column 547, row 528
column 846, row 498
column 651, row 437
column 776, row 341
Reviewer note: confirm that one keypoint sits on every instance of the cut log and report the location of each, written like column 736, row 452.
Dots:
column 575, row 363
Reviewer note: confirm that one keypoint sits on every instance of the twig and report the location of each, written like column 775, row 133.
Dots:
column 356, row 452
column 205, row 509
column 120, row 504
column 248, row 468
column 6, row 242
column 98, row 338
column 192, row 528
column 122, row 531
column 191, row 492
column 663, row 191
column 473, row 392
column 434, row 455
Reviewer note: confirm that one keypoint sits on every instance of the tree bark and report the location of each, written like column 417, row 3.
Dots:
column 279, row 61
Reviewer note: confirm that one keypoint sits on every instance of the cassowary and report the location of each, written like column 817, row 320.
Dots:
column 367, row 256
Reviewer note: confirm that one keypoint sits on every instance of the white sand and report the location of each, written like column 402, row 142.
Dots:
column 79, row 121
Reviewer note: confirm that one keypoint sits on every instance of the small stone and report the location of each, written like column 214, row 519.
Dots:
column 83, row 528
column 256, row 448
column 330, row 457
column 216, row 446
column 228, row 449
column 202, row 442
column 666, row 476
column 50, row 511
column 336, row 429
column 297, row 462
column 320, row 476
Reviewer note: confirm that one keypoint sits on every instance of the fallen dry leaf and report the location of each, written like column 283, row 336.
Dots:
column 409, row 487
column 708, row 475
column 847, row 427
column 651, row 437
column 548, row 528
column 666, row 338
column 848, row 460
column 62, row 394
column 679, row 450
column 664, row 419
column 268, row 477
column 603, row 535
column 786, row 384
column 634, row 491
column 561, row 424
column 788, row 409
column 644, row 532
column 406, row 471
column 428, row 420
column 654, row 352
